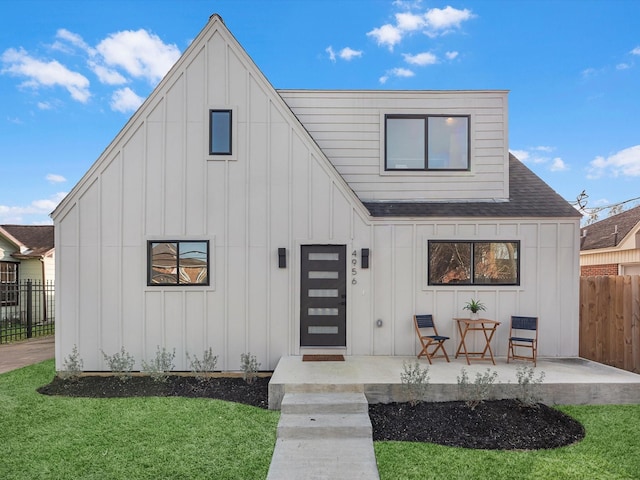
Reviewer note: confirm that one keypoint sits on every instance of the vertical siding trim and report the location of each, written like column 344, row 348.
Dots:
column 394, row 281
column 309, row 195
column 267, row 233
column 292, row 255
column 185, row 122
column 247, row 205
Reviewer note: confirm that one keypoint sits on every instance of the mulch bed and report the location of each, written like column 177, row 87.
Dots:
column 494, row 424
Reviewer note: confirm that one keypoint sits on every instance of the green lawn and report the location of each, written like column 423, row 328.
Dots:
column 173, row 438
column 59, row 438
column 610, row 450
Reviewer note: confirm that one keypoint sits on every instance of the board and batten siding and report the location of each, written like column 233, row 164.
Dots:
column 156, row 182
column 349, row 127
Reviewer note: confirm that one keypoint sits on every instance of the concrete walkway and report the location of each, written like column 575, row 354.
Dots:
column 20, row 354
column 324, row 436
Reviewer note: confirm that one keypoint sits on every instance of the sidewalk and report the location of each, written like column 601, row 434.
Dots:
column 20, row 354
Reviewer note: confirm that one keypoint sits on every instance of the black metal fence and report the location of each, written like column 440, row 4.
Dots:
column 26, row 310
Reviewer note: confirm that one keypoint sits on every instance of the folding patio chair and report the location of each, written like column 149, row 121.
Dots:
column 430, row 343
column 523, row 334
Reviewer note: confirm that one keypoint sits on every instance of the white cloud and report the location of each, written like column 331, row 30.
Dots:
column 623, row 66
column 386, row 35
column 421, row 59
column 75, row 40
column 558, row 165
column 521, row 155
column 332, row 54
column 625, row 163
column 396, row 72
column 544, row 148
column 44, row 105
column 348, row 53
column 37, row 208
column 636, row 51
column 45, row 74
column 125, row 100
column 106, row 75
column 442, row 20
column 409, row 22
column 451, row 55
column 140, row 53
column 55, row 178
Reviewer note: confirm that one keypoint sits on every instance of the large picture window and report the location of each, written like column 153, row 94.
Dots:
column 474, row 263
column 178, row 263
column 8, row 283
column 426, row 142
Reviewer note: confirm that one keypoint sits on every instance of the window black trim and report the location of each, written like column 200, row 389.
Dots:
column 211, row 150
column 426, row 143
column 471, row 281
column 178, row 283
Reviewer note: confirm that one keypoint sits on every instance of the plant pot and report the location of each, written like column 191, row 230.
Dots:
column 474, row 315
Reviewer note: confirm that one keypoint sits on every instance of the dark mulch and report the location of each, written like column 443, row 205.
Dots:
column 494, row 424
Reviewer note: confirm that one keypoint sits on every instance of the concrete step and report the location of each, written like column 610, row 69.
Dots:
column 324, row 425
column 331, row 459
column 321, row 403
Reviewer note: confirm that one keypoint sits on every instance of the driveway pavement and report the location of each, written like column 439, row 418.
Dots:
column 20, row 354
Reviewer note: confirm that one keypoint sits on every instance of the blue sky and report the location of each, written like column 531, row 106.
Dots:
column 72, row 72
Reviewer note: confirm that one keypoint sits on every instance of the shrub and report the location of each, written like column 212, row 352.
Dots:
column 415, row 381
column 160, row 365
column 249, row 366
column 475, row 393
column 121, row 363
column 200, row 368
column 72, row 367
column 527, row 393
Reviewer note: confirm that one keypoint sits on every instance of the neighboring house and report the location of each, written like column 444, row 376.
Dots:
column 233, row 216
column 26, row 253
column 611, row 246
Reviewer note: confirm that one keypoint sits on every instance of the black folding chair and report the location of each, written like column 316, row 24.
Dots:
column 432, row 342
column 523, row 334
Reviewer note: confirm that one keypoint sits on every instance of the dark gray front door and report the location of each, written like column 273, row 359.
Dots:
column 323, row 296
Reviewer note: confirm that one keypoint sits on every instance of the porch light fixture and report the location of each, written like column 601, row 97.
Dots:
column 364, row 262
column 282, row 258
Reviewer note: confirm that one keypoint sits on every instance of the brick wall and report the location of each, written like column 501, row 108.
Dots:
column 595, row 270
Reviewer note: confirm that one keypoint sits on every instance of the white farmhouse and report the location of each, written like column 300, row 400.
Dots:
column 233, row 216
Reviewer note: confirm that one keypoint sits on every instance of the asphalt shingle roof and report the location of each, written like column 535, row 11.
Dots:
column 603, row 234
column 38, row 238
column 529, row 196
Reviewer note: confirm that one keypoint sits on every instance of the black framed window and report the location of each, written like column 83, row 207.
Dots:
column 8, row 283
column 427, row 142
column 178, row 262
column 473, row 263
column 220, row 132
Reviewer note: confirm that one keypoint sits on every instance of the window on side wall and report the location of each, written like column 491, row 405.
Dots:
column 178, row 263
column 220, row 132
column 8, row 283
column 473, row 263
column 426, row 142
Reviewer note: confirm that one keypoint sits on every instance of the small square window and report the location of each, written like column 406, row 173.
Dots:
column 220, row 132
column 178, row 263
column 8, row 283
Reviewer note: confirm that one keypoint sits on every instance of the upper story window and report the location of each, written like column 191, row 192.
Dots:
column 220, row 132
column 178, row 263
column 426, row 142
column 474, row 263
column 8, row 283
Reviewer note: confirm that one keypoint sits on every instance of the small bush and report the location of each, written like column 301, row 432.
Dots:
column 475, row 393
column 121, row 363
column 72, row 367
column 201, row 368
column 159, row 367
column 415, row 381
column 249, row 366
column 527, row 393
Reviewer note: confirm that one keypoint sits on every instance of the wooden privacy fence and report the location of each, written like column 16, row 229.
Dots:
column 610, row 320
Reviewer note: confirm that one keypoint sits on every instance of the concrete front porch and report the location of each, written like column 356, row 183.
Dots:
column 567, row 380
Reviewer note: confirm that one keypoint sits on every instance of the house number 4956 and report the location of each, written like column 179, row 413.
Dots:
column 354, row 271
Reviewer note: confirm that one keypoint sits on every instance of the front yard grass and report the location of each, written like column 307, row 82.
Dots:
column 44, row 437
column 609, row 451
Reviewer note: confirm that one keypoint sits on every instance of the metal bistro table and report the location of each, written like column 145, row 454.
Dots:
column 484, row 325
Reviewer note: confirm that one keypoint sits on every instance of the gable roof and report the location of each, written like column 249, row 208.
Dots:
column 529, row 196
column 608, row 233
column 33, row 240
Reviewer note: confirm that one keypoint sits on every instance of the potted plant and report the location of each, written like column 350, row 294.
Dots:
column 474, row 306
